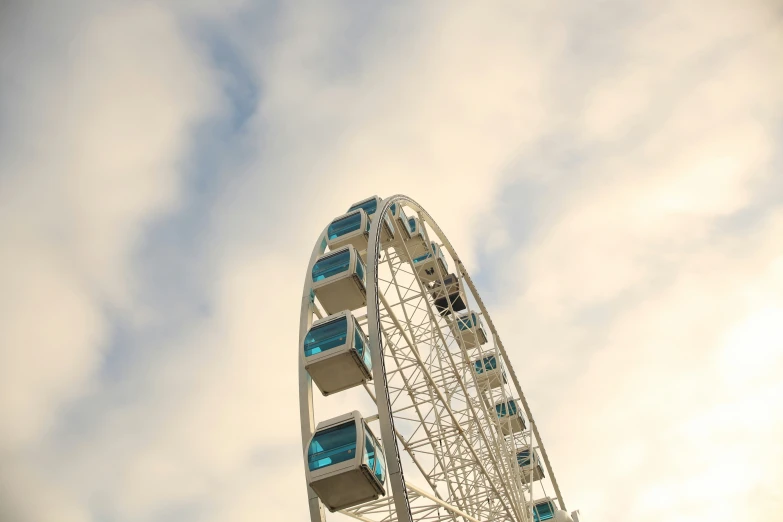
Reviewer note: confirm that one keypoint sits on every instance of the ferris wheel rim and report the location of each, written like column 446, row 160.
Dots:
column 385, row 414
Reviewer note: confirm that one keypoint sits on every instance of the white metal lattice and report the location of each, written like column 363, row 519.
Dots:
column 438, row 423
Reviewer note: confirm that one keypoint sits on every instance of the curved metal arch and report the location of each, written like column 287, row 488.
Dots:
column 385, row 417
column 305, row 381
column 501, row 348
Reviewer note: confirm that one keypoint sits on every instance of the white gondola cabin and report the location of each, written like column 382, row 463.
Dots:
column 530, row 466
column 511, row 420
column 370, row 206
column 448, row 293
column 352, row 228
column 339, row 280
column 414, row 243
column 336, row 353
column 488, row 372
column 345, row 463
column 467, row 328
column 402, row 221
column 545, row 509
column 431, row 265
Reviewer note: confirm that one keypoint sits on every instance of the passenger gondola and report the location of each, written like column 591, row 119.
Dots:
column 531, row 467
column 345, row 462
column 404, row 225
column 337, row 354
column 488, row 372
column 467, row 328
column 511, row 420
column 448, row 293
column 415, row 244
column 544, row 509
column 352, row 228
column 431, row 265
column 339, row 280
column 370, row 206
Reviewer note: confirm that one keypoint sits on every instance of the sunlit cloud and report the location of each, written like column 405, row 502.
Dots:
column 610, row 176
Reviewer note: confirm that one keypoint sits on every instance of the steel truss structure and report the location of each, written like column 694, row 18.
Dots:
column 450, row 456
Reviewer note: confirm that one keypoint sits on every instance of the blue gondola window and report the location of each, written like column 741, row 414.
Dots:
column 426, row 255
column 543, row 511
column 326, row 336
column 369, row 206
column 332, row 446
column 506, row 409
column 466, row 323
column 373, row 456
column 369, row 451
column 412, row 225
column 331, row 265
column 406, row 222
column 360, row 343
column 487, row 363
column 421, row 258
column 523, row 458
column 345, row 225
column 380, row 467
column 388, row 221
column 360, row 270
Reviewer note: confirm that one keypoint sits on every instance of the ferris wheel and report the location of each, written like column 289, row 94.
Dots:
column 392, row 325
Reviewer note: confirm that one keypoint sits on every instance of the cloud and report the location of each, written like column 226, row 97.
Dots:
column 98, row 120
column 645, row 277
column 169, row 166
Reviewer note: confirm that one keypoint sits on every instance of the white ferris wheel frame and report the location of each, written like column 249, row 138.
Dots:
column 400, row 491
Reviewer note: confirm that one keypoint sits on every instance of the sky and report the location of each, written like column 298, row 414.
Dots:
column 611, row 172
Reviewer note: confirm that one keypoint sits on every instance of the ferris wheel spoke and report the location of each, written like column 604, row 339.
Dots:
column 417, row 405
column 432, row 384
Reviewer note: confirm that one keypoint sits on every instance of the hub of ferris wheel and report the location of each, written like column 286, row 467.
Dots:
column 390, row 312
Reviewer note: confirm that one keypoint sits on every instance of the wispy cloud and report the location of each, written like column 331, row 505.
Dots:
column 611, row 171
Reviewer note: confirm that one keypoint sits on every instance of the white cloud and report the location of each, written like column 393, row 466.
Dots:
column 99, row 123
column 51, row 329
column 643, row 311
column 438, row 103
